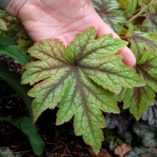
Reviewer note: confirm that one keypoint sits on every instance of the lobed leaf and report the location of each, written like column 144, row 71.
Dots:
column 80, row 80
column 138, row 99
column 146, row 67
column 141, row 41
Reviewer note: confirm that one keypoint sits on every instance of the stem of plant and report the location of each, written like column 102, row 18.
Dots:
column 141, row 11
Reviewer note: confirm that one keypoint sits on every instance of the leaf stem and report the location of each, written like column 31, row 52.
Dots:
column 141, row 11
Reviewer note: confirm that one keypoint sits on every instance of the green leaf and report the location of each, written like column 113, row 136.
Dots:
column 80, row 80
column 141, row 41
column 147, row 66
column 6, row 41
column 147, row 134
column 129, row 6
column 28, row 128
column 148, row 39
column 15, row 53
column 3, row 13
column 3, row 25
column 150, row 23
column 138, row 99
column 110, row 12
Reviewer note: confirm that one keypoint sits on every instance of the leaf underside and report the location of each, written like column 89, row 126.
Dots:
column 81, row 80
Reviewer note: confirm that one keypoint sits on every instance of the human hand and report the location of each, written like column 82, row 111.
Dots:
column 62, row 19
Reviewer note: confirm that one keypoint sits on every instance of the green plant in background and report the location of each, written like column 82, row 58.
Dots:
column 12, row 33
column 87, row 77
column 5, row 21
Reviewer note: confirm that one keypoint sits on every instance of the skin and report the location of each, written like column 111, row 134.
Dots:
column 45, row 19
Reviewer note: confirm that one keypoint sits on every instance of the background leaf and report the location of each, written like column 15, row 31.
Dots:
column 3, row 25
column 5, row 41
column 28, row 128
column 141, row 42
column 147, row 135
column 110, row 12
column 130, row 6
column 150, row 23
column 15, row 53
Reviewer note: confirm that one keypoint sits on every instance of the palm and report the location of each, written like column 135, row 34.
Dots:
column 63, row 19
column 42, row 22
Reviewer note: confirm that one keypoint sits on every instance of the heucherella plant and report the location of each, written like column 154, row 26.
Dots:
column 81, row 80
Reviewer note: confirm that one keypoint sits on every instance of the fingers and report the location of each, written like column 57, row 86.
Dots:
column 128, row 56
